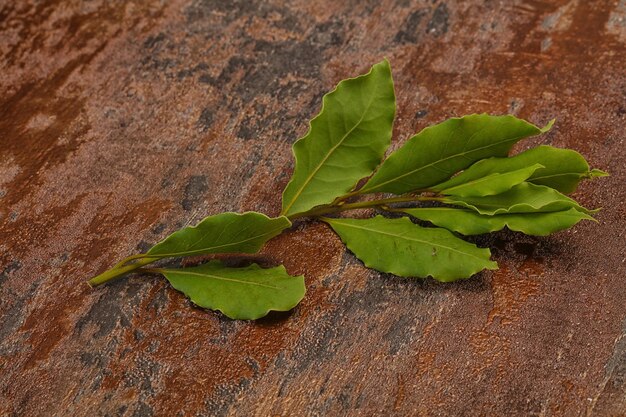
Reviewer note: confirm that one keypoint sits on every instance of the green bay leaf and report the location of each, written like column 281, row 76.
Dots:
column 246, row 293
column 345, row 141
column 468, row 222
column 221, row 233
column 522, row 198
column 437, row 152
column 491, row 184
column 403, row 248
column 562, row 169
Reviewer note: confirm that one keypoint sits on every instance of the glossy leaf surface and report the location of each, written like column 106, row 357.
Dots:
column 523, row 198
column 222, row 233
column 468, row 222
column 345, row 141
column 403, row 248
column 245, row 293
column 437, row 152
column 491, row 184
column 562, row 169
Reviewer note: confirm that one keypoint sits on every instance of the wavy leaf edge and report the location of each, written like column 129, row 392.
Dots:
column 286, row 207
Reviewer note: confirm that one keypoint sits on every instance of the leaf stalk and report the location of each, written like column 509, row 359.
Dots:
column 118, row 271
column 342, row 206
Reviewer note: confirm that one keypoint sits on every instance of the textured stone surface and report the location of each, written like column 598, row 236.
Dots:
column 123, row 121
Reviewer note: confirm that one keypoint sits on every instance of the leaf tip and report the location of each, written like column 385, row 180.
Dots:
column 535, row 167
column 383, row 67
column 597, row 173
column 548, row 126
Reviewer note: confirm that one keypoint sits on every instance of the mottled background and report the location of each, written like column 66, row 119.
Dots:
column 121, row 121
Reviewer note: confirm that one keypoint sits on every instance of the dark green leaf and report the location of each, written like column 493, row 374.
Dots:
column 439, row 151
column 491, row 184
column 469, row 222
column 562, row 169
column 402, row 248
column 523, row 198
column 345, row 141
column 222, row 233
column 240, row 293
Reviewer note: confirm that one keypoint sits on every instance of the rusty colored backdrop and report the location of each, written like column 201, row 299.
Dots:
column 121, row 121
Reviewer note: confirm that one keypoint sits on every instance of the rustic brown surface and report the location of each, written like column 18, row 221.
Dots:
column 123, row 121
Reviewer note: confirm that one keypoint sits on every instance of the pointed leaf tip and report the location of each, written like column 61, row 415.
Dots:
column 597, row 173
column 548, row 126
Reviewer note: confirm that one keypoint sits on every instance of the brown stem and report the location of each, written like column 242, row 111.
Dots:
column 339, row 207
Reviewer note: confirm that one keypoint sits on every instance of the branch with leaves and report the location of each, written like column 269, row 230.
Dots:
column 460, row 168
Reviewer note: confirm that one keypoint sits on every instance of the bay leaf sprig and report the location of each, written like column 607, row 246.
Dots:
column 460, row 167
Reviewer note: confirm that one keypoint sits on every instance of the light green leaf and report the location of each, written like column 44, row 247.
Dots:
column 562, row 169
column 490, row 184
column 245, row 293
column 469, row 222
column 439, row 151
column 402, row 248
column 345, row 141
column 523, row 198
column 222, row 233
